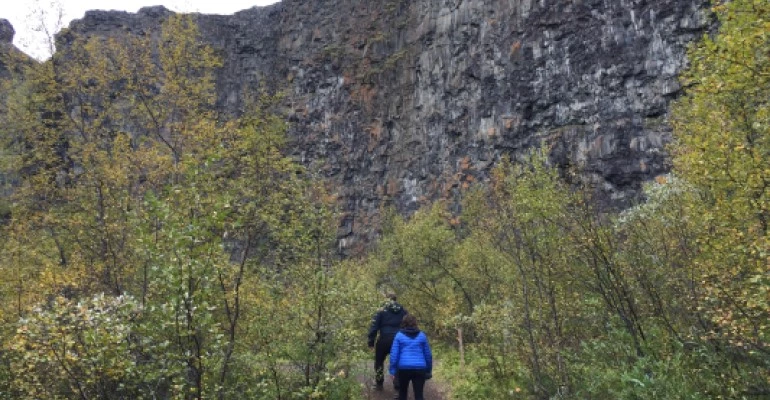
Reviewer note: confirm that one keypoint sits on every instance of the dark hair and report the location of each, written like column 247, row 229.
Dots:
column 409, row 321
column 391, row 296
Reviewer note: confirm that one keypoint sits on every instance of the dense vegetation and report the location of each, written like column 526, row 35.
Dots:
column 155, row 248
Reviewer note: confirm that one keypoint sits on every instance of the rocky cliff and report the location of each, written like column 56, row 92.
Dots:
column 11, row 58
column 406, row 101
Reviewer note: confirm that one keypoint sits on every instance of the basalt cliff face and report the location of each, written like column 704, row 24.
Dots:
column 12, row 59
column 404, row 102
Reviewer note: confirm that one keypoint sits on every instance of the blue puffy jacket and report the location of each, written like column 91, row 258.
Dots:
column 410, row 350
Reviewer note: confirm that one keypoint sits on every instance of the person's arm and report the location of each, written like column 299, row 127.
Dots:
column 374, row 328
column 428, row 356
column 395, row 351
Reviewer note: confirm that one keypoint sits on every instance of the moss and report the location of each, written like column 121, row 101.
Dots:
column 377, row 38
column 393, row 59
column 334, row 52
column 655, row 124
column 392, row 6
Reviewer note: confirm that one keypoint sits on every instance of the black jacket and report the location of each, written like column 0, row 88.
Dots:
column 387, row 321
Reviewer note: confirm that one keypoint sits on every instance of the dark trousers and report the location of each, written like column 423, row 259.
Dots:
column 381, row 350
column 417, row 377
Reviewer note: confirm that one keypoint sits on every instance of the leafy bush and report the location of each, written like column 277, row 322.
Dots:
column 608, row 367
column 80, row 349
column 473, row 380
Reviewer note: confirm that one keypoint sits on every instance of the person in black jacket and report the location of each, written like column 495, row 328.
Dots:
column 386, row 322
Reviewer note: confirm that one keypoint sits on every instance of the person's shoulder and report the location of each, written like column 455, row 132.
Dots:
column 382, row 310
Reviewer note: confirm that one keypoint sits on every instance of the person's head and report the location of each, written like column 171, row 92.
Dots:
column 409, row 321
column 391, row 296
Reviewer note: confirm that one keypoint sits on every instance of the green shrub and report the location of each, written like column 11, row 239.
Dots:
column 608, row 368
column 475, row 379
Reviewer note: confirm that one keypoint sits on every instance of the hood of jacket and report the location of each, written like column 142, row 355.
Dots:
column 411, row 332
column 392, row 306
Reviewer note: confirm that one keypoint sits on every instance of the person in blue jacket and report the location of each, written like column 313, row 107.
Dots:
column 411, row 359
column 386, row 322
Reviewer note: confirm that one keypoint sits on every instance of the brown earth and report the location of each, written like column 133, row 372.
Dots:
column 434, row 389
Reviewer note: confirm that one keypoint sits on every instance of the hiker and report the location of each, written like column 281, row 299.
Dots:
column 411, row 359
column 386, row 322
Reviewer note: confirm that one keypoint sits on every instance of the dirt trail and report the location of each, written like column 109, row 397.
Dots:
column 433, row 390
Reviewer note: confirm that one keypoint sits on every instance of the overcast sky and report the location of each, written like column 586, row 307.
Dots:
column 25, row 15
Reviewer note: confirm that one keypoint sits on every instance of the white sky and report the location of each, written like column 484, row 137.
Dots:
column 26, row 15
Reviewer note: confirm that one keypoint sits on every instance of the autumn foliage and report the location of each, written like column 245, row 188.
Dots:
column 158, row 248
column 154, row 247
